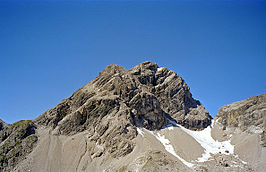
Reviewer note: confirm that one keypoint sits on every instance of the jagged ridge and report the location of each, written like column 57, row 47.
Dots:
column 117, row 101
column 111, row 106
column 100, row 123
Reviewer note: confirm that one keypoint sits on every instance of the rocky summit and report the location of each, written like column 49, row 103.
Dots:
column 144, row 96
column 142, row 119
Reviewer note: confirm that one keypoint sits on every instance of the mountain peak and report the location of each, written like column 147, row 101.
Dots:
column 118, row 101
column 113, row 68
column 150, row 96
column 147, row 66
column 135, row 119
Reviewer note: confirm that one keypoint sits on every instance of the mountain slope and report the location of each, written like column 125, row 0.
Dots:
column 245, row 122
column 16, row 142
column 142, row 119
column 117, row 101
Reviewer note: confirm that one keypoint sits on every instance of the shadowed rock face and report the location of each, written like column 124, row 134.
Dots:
column 17, row 141
column 248, row 115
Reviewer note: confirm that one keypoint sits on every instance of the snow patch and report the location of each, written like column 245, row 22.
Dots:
column 244, row 162
column 169, row 127
column 213, row 122
column 140, row 132
column 160, row 68
column 210, row 145
column 255, row 129
column 169, row 148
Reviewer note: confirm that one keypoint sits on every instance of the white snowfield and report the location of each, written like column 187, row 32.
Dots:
column 210, row 145
column 169, row 148
column 160, row 68
column 140, row 132
column 203, row 137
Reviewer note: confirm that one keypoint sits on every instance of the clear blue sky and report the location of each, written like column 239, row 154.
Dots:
column 50, row 49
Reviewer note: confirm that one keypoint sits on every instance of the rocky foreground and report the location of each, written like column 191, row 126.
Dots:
column 142, row 119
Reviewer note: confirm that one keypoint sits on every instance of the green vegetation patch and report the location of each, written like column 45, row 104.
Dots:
column 18, row 142
column 31, row 138
column 21, row 124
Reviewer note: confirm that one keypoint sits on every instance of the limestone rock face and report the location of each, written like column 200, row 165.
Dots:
column 109, row 109
column 248, row 115
column 243, row 123
column 141, row 119
column 149, row 94
column 119, row 100
column 173, row 95
column 17, row 141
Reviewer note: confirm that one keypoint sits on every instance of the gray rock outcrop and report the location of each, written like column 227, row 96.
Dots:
column 16, row 142
column 118, row 100
column 123, row 121
column 247, row 115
